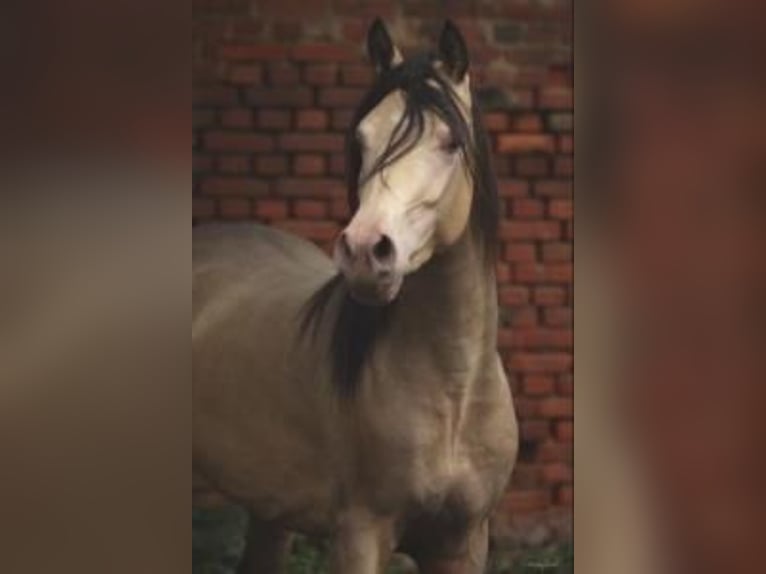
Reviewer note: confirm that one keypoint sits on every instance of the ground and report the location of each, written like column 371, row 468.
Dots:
column 217, row 541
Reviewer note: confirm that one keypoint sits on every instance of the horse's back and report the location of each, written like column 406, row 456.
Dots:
column 224, row 256
column 254, row 381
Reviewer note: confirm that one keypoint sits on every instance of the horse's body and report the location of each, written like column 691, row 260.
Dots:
column 414, row 459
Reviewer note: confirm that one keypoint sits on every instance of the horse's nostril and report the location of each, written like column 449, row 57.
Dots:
column 383, row 250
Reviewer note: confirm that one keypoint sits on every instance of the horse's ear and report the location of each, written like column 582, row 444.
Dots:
column 380, row 48
column 453, row 52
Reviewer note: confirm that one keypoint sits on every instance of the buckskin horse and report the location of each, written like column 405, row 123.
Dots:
column 364, row 399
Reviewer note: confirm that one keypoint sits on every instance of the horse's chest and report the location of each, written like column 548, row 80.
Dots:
column 454, row 494
column 438, row 458
column 434, row 480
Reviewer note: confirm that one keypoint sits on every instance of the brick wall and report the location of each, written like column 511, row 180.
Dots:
column 275, row 82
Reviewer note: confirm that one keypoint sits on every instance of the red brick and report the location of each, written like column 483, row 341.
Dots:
column 513, row 188
column 340, row 97
column 566, row 144
column 514, row 295
column 553, row 188
column 564, row 166
column 242, row 186
column 289, row 10
column 524, row 208
column 246, row 75
column 565, row 385
column 271, row 119
column 569, row 230
column 530, row 230
column 324, row 53
column 540, row 339
column 503, row 272
column 309, row 164
column 526, row 476
column 354, row 29
column 565, row 496
column 542, row 362
column 238, row 142
column 234, row 164
column 525, row 143
column 528, row 123
column 526, row 501
column 531, row 167
column 548, row 296
column 357, row 75
column 253, row 52
column 288, row 30
column 537, row 385
column 557, row 408
column 338, row 164
column 496, row 121
column 561, row 209
column 557, row 473
column 321, row 188
column 503, row 166
column 550, row 451
column 312, row 119
column 283, row 74
column 558, row 316
column 271, row 165
column 280, row 97
column 271, row 209
column 556, row 98
column 554, row 273
column 523, row 317
column 310, row 209
column 237, row 118
column 298, row 142
column 342, row 118
column 557, row 252
column 519, row 252
column 321, row 74
column 565, row 431
column 235, row 208
column 527, row 408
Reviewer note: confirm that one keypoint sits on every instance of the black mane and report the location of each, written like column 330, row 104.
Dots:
column 357, row 327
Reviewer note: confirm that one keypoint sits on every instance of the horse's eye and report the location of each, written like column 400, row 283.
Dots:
column 451, row 145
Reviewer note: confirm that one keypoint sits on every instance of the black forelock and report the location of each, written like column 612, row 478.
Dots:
column 425, row 89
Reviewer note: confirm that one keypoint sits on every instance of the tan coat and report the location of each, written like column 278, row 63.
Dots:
column 416, row 461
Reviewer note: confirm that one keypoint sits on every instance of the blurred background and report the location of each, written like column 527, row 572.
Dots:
column 671, row 272
column 275, row 83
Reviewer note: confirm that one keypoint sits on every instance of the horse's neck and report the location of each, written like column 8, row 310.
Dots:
column 445, row 322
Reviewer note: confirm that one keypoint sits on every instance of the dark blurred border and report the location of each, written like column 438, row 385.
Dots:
column 670, row 278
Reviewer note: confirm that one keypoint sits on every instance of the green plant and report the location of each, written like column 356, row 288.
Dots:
column 217, row 543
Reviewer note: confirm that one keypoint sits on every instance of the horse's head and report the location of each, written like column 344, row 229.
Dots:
column 411, row 150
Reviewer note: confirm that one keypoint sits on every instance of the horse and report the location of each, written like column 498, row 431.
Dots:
column 361, row 397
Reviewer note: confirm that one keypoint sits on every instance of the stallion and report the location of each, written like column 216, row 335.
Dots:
column 362, row 397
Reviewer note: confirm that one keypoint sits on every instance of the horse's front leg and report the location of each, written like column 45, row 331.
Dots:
column 266, row 549
column 363, row 544
column 465, row 555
